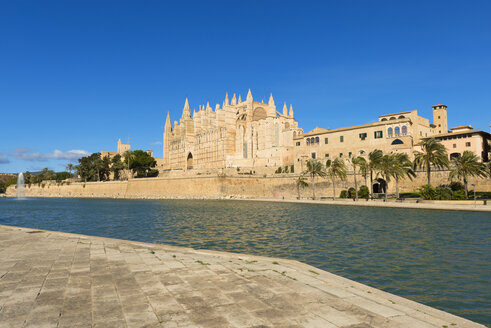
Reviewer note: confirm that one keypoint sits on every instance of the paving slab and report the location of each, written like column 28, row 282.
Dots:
column 56, row 279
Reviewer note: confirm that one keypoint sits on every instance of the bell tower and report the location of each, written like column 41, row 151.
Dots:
column 440, row 118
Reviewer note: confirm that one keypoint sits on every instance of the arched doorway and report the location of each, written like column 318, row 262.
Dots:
column 379, row 186
column 190, row 161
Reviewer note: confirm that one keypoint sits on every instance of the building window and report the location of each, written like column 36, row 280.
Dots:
column 438, row 117
column 467, row 144
column 404, row 130
column 378, row 134
column 340, row 154
column 313, row 155
column 316, row 139
column 308, row 141
column 326, row 155
column 298, row 143
column 341, row 139
column 397, row 131
column 349, row 154
column 325, row 141
column 389, row 132
column 363, row 136
column 455, row 145
column 362, row 152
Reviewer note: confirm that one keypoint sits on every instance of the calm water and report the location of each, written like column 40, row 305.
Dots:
column 439, row 258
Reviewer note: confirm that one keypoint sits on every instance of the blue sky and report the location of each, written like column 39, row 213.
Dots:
column 76, row 75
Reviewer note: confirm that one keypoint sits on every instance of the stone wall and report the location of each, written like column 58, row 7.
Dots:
column 214, row 186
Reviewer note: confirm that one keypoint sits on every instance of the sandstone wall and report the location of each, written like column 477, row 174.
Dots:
column 213, row 186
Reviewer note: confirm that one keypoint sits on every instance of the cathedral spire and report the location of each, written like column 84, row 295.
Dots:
column 225, row 103
column 285, row 110
column 186, row 112
column 167, row 122
column 249, row 95
column 240, row 100
column 271, row 101
column 208, row 108
column 234, row 100
column 291, row 111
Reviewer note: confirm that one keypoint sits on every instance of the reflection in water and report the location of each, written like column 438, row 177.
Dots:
column 439, row 258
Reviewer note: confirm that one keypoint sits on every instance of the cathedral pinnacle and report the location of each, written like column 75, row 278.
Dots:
column 240, row 100
column 249, row 95
column 186, row 112
column 291, row 111
column 271, row 101
column 285, row 110
column 167, row 122
column 234, row 100
column 226, row 99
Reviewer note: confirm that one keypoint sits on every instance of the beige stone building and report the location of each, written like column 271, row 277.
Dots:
column 392, row 133
column 462, row 138
column 240, row 133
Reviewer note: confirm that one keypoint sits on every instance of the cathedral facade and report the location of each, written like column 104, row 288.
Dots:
column 242, row 134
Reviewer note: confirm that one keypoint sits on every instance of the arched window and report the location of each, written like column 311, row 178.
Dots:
column 384, row 119
column 392, row 118
column 397, row 142
column 402, row 116
column 454, row 155
column 389, row 132
column 404, row 130
column 397, row 131
column 362, row 152
column 316, row 139
column 308, row 141
column 312, row 140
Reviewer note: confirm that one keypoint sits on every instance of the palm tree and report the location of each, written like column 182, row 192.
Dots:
column 465, row 166
column 374, row 158
column 69, row 168
column 433, row 153
column 386, row 168
column 365, row 171
column 402, row 168
column 314, row 169
column 355, row 162
column 301, row 183
column 335, row 169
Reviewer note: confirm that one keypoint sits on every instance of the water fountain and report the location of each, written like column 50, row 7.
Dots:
column 21, row 186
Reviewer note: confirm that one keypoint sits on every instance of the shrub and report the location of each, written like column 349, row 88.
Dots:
column 443, row 193
column 456, row 185
column 364, row 192
column 343, row 194
column 292, row 168
column 459, row 195
column 427, row 192
column 351, row 192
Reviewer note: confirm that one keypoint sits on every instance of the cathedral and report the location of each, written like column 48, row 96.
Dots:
column 242, row 134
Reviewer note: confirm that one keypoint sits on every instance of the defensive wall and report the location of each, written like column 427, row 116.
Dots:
column 189, row 185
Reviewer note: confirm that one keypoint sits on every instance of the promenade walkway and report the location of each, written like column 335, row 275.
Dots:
column 54, row 279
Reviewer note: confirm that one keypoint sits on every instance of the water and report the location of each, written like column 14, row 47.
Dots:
column 20, row 186
column 439, row 258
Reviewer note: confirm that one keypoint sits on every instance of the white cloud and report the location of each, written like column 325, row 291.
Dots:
column 157, row 143
column 4, row 159
column 25, row 154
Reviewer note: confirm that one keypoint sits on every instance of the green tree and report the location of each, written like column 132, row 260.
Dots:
column 433, row 153
column 335, row 169
column 374, row 158
column 314, row 169
column 141, row 163
column 402, row 168
column 357, row 162
column 301, row 182
column 116, row 166
column 465, row 166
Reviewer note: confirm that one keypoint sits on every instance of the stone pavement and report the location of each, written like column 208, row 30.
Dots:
column 54, row 279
